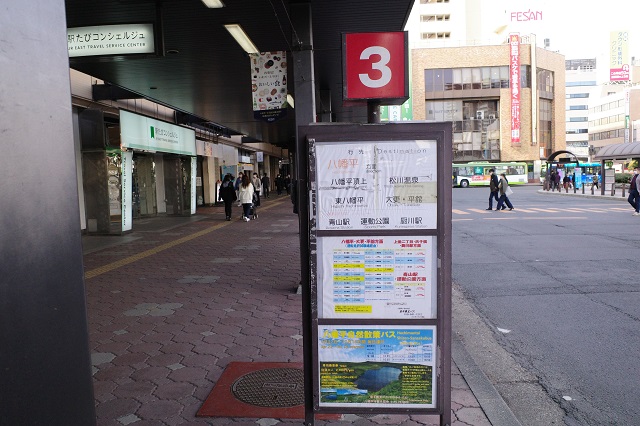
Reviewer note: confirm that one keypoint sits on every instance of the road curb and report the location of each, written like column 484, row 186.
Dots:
column 577, row 194
column 490, row 401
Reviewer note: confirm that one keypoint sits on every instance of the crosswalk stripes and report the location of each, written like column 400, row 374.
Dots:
column 538, row 210
column 548, row 210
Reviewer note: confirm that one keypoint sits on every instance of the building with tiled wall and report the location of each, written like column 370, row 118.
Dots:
column 470, row 87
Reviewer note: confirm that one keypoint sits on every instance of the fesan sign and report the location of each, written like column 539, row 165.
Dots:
column 375, row 66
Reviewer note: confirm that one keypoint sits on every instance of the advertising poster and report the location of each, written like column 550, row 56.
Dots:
column 269, row 85
column 380, row 366
column 377, row 185
column 377, row 277
column 619, row 56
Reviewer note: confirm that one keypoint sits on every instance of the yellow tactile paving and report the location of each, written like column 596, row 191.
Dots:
column 128, row 260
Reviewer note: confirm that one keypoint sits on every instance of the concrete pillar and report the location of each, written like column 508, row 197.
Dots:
column 302, row 51
column 45, row 367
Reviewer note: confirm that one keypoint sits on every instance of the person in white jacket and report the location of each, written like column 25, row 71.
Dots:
column 245, row 196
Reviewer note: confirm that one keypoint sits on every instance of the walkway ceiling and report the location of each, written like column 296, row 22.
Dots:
column 209, row 76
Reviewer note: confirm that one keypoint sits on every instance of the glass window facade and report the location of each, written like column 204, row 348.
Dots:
column 438, row 80
column 545, row 84
column 545, row 118
column 476, row 126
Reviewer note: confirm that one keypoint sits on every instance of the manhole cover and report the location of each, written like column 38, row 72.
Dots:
column 272, row 387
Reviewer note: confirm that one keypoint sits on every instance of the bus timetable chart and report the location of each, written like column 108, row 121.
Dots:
column 377, row 277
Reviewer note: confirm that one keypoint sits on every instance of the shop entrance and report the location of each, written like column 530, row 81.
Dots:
column 144, row 197
column 177, row 182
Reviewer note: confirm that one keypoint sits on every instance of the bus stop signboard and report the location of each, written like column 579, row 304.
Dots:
column 379, row 295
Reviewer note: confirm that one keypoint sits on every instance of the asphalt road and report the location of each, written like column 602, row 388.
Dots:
column 556, row 279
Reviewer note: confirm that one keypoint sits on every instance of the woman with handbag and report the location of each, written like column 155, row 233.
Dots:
column 505, row 191
column 245, row 195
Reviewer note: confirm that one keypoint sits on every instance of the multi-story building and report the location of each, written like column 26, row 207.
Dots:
column 449, row 23
column 612, row 115
column 471, row 86
column 581, row 78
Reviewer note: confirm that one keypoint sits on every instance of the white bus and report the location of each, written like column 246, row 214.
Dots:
column 477, row 173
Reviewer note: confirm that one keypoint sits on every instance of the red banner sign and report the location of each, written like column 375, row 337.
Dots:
column 514, row 84
column 375, row 66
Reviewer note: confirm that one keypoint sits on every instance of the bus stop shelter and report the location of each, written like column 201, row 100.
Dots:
column 615, row 152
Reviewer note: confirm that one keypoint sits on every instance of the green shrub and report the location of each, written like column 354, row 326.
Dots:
column 623, row 177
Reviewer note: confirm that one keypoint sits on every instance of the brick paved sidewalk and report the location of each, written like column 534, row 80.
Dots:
column 174, row 302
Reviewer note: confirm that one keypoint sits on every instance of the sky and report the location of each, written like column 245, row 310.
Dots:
column 578, row 29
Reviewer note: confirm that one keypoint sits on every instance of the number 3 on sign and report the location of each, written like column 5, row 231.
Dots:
column 380, row 65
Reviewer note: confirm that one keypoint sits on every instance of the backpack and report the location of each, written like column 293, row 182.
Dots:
column 227, row 191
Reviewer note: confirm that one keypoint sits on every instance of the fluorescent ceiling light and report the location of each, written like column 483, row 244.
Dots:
column 241, row 37
column 290, row 100
column 213, row 4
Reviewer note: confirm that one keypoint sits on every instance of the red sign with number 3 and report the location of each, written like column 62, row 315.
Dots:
column 375, row 65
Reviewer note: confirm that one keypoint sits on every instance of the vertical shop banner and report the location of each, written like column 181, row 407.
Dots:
column 514, row 84
column 127, row 190
column 377, row 185
column 377, row 277
column 619, row 56
column 269, row 85
column 377, row 366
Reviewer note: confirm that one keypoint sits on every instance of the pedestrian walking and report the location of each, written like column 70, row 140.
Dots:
column 493, row 187
column 228, row 194
column 237, row 187
column 257, row 190
column 505, row 191
column 279, row 184
column 246, row 196
column 595, row 181
column 634, row 195
column 265, row 185
column 557, row 180
column 566, row 182
column 287, row 184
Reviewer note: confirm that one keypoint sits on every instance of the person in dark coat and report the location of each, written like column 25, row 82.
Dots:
column 279, row 184
column 265, row 185
column 287, row 184
column 228, row 194
column 493, row 187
